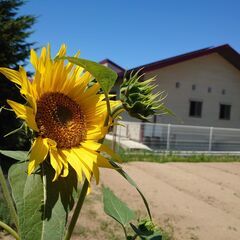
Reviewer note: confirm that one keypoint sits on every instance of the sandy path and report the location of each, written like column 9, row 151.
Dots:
column 199, row 200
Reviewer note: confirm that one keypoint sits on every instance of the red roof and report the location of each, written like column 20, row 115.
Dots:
column 112, row 63
column 226, row 51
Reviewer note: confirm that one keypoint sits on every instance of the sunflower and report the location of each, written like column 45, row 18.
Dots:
column 66, row 113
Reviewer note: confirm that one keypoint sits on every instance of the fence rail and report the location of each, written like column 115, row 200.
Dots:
column 180, row 137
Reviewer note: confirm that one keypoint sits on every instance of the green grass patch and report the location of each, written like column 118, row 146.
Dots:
column 164, row 158
column 161, row 157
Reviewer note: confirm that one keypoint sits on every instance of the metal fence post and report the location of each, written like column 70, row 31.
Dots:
column 168, row 136
column 210, row 139
column 114, row 137
column 119, row 128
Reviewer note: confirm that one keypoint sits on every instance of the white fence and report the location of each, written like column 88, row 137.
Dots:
column 180, row 137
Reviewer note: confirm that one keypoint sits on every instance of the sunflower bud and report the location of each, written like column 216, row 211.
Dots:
column 138, row 98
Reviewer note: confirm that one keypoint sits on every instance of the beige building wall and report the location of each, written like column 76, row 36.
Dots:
column 210, row 71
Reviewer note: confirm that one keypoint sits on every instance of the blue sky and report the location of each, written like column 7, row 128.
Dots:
column 134, row 32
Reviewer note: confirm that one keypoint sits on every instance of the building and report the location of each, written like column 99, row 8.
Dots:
column 203, row 86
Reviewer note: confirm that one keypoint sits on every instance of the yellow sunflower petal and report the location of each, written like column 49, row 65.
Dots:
column 12, row 75
column 64, row 161
column 96, row 172
column 89, row 95
column 96, row 133
column 90, row 159
column 86, row 78
column 103, row 162
column 55, row 162
column 74, row 162
column 86, row 170
column 70, row 65
column 34, row 58
column 42, row 60
column 62, row 50
column 91, row 145
column 38, row 153
column 89, row 189
column 110, row 152
column 25, row 113
column 27, row 89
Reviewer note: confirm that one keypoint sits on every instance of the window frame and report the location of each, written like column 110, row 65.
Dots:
column 194, row 112
column 226, row 113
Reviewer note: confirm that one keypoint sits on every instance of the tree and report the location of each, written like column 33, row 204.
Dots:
column 13, row 34
column 14, row 51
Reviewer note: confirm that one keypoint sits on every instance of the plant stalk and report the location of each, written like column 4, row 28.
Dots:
column 8, row 199
column 9, row 230
column 108, row 110
column 116, row 110
column 77, row 210
column 125, row 232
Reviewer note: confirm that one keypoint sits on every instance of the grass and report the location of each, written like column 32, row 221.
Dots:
column 164, row 158
column 147, row 156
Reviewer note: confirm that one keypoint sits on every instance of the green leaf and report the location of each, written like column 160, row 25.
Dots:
column 105, row 76
column 115, row 208
column 146, row 230
column 130, row 180
column 146, row 235
column 42, row 212
column 17, row 155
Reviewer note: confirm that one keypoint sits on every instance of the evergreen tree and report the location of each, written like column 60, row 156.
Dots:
column 14, row 51
column 14, row 32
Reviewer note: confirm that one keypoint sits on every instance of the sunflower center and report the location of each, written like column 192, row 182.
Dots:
column 63, row 114
column 60, row 119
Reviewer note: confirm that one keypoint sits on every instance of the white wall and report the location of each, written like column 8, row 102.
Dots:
column 207, row 71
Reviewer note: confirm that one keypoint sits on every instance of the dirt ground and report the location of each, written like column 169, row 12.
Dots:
column 191, row 201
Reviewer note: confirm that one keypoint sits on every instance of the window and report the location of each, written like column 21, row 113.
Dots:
column 209, row 90
column 225, row 112
column 193, row 87
column 195, row 109
column 177, row 84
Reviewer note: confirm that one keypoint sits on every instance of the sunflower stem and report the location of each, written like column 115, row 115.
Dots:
column 125, row 232
column 117, row 110
column 9, row 230
column 108, row 110
column 8, row 199
column 77, row 210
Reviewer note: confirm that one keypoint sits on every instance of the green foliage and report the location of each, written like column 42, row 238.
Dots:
column 4, row 212
column 119, row 211
column 146, row 230
column 14, row 31
column 130, row 180
column 146, row 156
column 138, row 98
column 42, row 211
column 116, row 209
column 16, row 155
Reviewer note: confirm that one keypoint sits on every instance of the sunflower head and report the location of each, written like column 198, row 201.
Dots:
column 65, row 108
column 138, row 99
